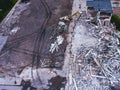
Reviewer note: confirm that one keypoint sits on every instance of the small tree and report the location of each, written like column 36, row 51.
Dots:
column 116, row 19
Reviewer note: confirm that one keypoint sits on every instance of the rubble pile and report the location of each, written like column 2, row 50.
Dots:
column 58, row 37
column 55, row 45
column 94, row 67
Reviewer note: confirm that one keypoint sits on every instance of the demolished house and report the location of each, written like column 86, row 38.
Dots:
column 94, row 60
column 96, row 53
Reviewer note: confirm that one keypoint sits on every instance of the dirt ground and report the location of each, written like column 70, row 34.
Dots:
column 19, row 50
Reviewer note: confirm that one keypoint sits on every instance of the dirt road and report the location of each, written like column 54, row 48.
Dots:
column 20, row 48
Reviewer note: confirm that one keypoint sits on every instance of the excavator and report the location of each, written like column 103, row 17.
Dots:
column 69, row 18
column 62, row 27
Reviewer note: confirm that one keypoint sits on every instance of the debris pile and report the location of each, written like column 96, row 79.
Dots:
column 96, row 63
column 62, row 28
column 57, row 36
column 55, row 45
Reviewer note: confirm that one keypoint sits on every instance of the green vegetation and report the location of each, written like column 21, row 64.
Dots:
column 5, row 7
column 116, row 19
column 24, row 1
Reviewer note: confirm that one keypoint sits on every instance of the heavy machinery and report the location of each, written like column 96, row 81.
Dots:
column 60, row 29
column 62, row 26
column 69, row 18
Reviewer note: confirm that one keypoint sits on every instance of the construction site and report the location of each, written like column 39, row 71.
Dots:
column 60, row 45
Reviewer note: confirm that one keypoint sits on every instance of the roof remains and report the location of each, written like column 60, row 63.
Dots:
column 100, row 5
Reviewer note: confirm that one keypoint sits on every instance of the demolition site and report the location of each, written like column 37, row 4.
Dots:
column 60, row 45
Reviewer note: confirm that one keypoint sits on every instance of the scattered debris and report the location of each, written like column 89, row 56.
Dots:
column 96, row 58
column 14, row 30
column 54, row 46
column 62, row 27
column 97, row 52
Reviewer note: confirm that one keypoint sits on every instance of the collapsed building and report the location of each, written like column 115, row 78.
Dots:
column 101, row 9
column 95, row 60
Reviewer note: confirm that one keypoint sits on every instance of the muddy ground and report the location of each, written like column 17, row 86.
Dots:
column 19, row 49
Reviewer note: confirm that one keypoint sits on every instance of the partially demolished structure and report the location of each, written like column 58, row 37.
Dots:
column 96, row 54
column 94, row 60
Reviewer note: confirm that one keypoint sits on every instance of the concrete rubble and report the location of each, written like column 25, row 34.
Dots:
column 96, row 57
column 94, row 61
column 57, row 36
column 54, row 46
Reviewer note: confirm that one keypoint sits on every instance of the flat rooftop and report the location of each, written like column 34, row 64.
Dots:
column 100, row 5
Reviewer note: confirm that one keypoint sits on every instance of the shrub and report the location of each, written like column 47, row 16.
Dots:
column 116, row 19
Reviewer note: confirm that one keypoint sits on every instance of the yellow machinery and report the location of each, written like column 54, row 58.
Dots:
column 69, row 18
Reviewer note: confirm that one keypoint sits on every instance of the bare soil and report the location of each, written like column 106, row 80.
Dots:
column 20, row 47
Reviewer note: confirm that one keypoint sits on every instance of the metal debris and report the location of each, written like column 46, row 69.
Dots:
column 96, row 67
